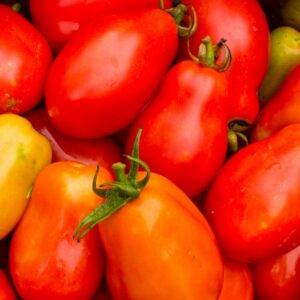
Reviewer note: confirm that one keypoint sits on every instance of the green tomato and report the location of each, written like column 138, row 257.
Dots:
column 284, row 55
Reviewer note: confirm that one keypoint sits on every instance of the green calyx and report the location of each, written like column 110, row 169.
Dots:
column 237, row 135
column 17, row 6
column 118, row 193
column 178, row 12
column 209, row 54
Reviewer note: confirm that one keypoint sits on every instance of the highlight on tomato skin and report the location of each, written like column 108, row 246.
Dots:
column 277, row 277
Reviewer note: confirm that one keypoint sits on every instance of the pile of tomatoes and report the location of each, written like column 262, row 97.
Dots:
column 150, row 150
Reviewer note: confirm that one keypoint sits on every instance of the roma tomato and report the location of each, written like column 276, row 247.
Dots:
column 158, row 239
column 59, row 20
column 51, row 264
column 277, row 278
column 102, row 151
column 244, row 27
column 6, row 290
column 25, row 58
column 124, row 58
column 282, row 109
column 253, row 204
column 185, row 127
column 238, row 283
column 24, row 153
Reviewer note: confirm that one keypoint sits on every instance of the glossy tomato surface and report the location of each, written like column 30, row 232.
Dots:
column 253, row 203
column 25, row 60
column 104, row 76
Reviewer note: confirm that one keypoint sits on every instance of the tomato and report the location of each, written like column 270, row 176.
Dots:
column 282, row 109
column 253, row 203
column 124, row 58
column 6, row 290
column 59, row 20
column 185, row 127
column 285, row 55
column 153, row 234
column 102, row 151
column 25, row 60
column 277, row 278
column 244, row 26
column 24, row 153
column 237, row 282
column 45, row 261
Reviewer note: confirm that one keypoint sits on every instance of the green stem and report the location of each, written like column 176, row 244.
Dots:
column 17, row 7
column 117, row 193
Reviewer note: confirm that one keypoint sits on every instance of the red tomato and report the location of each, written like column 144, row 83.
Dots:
column 124, row 58
column 282, row 109
column 237, row 282
column 162, row 242
column 102, row 151
column 6, row 290
column 253, row 204
column 25, row 60
column 45, row 261
column 59, row 20
column 185, row 127
column 244, row 26
column 277, row 278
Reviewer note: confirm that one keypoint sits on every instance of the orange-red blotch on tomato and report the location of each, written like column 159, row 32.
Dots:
column 108, row 71
column 25, row 58
column 45, row 261
column 253, row 204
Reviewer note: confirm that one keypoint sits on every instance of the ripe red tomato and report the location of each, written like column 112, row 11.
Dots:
column 282, row 109
column 238, row 283
column 25, row 58
column 6, row 290
column 244, row 26
column 277, row 278
column 45, row 261
column 185, row 127
column 102, row 151
column 253, row 204
column 124, row 58
column 59, row 20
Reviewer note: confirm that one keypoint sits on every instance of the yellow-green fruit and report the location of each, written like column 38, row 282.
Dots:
column 24, row 152
column 284, row 55
column 290, row 14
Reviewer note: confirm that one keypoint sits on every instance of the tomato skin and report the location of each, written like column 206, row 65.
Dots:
column 102, row 151
column 252, row 205
column 244, row 26
column 125, row 57
column 25, row 60
column 282, row 109
column 186, row 120
column 277, row 278
column 147, row 238
column 51, row 264
column 6, row 290
column 59, row 20
column 238, row 283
